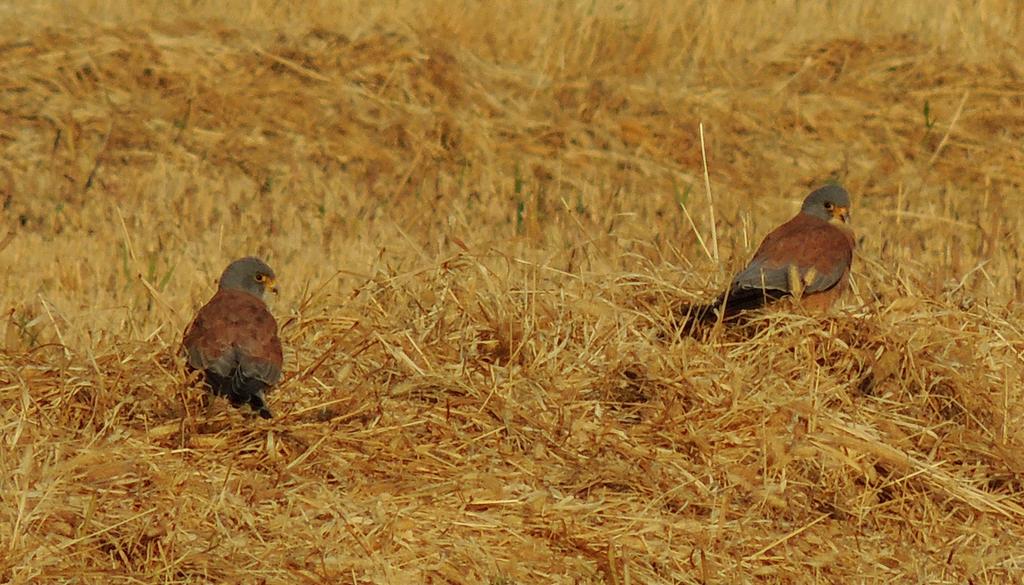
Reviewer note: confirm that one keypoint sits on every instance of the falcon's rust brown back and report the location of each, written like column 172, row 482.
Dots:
column 234, row 318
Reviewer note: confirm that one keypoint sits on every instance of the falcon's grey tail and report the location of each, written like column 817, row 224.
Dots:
column 242, row 380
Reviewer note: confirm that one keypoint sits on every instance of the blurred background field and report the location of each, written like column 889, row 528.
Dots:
column 482, row 215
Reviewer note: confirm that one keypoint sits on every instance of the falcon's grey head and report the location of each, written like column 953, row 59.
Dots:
column 830, row 203
column 249, row 274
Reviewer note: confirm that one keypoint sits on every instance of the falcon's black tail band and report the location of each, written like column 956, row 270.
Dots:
column 739, row 301
column 240, row 389
column 259, row 405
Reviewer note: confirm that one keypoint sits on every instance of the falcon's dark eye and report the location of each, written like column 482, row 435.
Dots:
column 261, row 278
column 829, row 206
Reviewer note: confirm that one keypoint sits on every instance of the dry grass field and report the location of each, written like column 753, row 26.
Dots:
column 482, row 216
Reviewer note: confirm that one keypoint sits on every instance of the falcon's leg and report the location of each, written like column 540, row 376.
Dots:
column 207, row 402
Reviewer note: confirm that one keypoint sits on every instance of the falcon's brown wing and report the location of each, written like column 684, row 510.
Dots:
column 807, row 248
column 811, row 249
column 233, row 339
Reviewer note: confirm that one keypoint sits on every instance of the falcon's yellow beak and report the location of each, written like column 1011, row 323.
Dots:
column 270, row 284
column 842, row 214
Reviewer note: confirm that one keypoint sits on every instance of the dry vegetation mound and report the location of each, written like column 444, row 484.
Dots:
column 482, row 217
